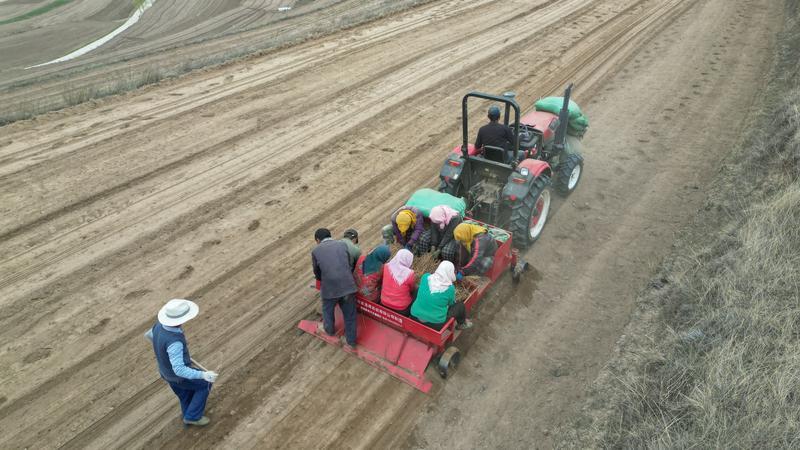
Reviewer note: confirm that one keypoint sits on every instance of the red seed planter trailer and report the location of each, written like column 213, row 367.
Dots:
column 403, row 347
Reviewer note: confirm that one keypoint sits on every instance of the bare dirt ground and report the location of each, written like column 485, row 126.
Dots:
column 170, row 38
column 209, row 187
column 165, row 24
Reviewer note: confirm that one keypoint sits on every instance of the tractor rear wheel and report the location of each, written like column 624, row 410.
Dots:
column 569, row 173
column 529, row 215
column 449, row 360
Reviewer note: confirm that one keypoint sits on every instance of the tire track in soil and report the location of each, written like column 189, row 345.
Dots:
column 274, row 176
column 221, row 44
column 227, row 95
column 87, row 240
column 224, row 97
column 84, row 202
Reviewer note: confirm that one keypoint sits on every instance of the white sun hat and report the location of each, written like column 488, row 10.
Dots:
column 177, row 311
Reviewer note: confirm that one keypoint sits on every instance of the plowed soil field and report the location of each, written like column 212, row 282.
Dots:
column 210, row 186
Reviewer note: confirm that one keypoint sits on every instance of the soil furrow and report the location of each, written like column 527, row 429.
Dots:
column 180, row 193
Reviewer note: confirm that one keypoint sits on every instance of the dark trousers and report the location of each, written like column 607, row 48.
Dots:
column 193, row 395
column 348, row 306
column 424, row 242
column 450, row 252
column 403, row 312
column 458, row 310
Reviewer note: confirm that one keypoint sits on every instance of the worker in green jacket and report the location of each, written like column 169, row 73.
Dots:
column 350, row 238
column 436, row 299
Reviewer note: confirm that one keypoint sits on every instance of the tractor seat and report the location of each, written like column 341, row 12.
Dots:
column 527, row 139
column 496, row 154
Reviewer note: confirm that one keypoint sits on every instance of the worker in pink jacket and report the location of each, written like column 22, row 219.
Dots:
column 399, row 283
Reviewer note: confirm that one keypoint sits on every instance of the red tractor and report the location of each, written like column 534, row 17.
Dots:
column 510, row 189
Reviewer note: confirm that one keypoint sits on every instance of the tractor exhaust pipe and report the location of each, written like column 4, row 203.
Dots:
column 563, row 122
column 511, row 96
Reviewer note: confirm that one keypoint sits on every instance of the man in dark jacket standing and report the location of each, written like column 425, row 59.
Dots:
column 331, row 263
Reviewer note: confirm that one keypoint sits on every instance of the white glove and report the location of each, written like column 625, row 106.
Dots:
column 210, row 376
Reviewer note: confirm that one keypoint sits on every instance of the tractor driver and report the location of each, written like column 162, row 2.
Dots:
column 494, row 133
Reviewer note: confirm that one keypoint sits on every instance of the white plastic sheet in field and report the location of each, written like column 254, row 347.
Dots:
column 87, row 48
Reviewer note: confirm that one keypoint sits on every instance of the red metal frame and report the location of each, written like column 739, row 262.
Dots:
column 471, row 150
column 400, row 345
column 542, row 121
column 535, row 166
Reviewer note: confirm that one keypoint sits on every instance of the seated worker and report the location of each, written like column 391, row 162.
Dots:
column 495, row 133
column 444, row 221
column 480, row 247
column 436, row 300
column 408, row 225
column 350, row 238
column 399, row 282
column 369, row 273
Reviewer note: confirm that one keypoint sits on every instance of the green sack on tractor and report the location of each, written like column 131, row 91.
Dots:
column 553, row 105
column 578, row 122
column 425, row 199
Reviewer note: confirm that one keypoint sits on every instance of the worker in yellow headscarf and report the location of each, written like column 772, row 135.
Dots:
column 405, row 220
column 407, row 226
column 465, row 233
column 478, row 245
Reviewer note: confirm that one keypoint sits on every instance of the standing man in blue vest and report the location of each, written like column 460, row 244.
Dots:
column 192, row 386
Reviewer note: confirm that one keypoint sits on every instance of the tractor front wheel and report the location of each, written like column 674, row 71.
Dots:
column 449, row 360
column 569, row 173
column 529, row 215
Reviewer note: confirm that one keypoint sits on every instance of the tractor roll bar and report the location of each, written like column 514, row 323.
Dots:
column 507, row 100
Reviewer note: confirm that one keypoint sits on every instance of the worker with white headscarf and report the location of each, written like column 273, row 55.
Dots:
column 399, row 282
column 436, row 299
